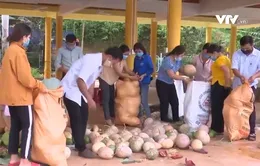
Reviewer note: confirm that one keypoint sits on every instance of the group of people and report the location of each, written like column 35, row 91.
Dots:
column 80, row 73
column 214, row 67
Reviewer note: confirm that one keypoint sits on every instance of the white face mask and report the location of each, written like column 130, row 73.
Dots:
column 108, row 63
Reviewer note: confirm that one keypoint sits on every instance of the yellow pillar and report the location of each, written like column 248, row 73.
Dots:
column 153, row 43
column 131, row 28
column 174, row 23
column 233, row 41
column 59, row 38
column 208, row 34
column 47, row 55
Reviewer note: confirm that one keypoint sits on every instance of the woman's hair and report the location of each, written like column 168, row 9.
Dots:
column 70, row 38
column 20, row 30
column 124, row 48
column 140, row 46
column 214, row 48
column 178, row 50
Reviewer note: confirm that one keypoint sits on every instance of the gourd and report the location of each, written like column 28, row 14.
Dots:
column 148, row 145
column 203, row 136
column 152, row 154
column 182, row 141
column 105, row 153
column 52, row 83
column 196, row 144
column 123, row 152
column 97, row 146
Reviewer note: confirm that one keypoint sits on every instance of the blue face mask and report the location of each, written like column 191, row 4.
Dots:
column 139, row 54
column 178, row 59
column 213, row 58
column 125, row 56
column 26, row 44
column 206, row 56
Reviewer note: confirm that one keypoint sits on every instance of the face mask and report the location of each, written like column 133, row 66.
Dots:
column 125, row 56
column 178, row 59
column 26, row 44
column 213, row 58
column 69, row 47
column 139, row 54
column 247, row 52
column 206, row 56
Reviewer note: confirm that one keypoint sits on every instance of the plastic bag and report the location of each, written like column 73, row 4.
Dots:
column 197, row 104
column 127, row 102
column 49, row 142
column 181, row 95
column 238, row 107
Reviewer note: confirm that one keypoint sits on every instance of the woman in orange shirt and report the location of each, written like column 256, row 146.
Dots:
column 17, row 86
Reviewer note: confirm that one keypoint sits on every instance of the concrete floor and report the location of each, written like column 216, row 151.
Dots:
column 220, row 151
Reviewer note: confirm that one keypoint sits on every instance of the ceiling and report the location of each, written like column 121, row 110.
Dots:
column 193, row 10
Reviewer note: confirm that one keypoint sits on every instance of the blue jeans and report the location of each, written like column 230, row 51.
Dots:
column 144, row 88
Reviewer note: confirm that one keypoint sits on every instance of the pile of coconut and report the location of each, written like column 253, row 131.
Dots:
column 154, row 136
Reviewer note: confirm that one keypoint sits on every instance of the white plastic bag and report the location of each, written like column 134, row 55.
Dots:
column 6, row 111
column 197, row 104
column 181, row 95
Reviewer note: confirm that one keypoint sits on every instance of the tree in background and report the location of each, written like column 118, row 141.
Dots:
column 100, row 35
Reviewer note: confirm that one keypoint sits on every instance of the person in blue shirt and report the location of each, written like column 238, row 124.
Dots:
column 143, row 66
column 165, row 87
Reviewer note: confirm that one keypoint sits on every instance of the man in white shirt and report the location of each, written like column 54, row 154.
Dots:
column 68, row 54
column 246, row 66
column 78, row 86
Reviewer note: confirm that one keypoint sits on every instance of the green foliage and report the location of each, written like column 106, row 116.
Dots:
column 36, row 73
column 100, row 35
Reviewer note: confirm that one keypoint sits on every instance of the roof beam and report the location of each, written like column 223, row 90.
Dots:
column 208, row 6
column 71, row 8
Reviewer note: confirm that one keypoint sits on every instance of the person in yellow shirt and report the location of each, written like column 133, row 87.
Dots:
column 220, row 87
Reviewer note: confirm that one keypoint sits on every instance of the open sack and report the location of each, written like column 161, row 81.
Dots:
column 238, row 107
column 50, row 121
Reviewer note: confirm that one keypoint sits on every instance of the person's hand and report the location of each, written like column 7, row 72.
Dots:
column 251, row 79
column 141, row 77
column 242, row 79
column 134, row 78
column 187, row 80
column 92, row 104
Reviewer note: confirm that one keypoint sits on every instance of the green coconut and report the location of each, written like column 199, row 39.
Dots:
column 5, row 138
column 69, row 141
column 87, row 139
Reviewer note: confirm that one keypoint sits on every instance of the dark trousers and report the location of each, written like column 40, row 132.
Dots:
column 167, row 95
column 108, row 99
column 252, row 117
column 218, row 95
column 78, row 121
column 21, row 120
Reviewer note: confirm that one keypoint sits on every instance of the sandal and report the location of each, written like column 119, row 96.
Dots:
column 252, row 137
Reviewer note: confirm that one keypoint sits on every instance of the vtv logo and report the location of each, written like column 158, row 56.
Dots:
column 227, row 19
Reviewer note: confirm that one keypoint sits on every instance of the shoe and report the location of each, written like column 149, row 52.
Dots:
column 87, row 154
column 252, row 137
column 14, row 164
